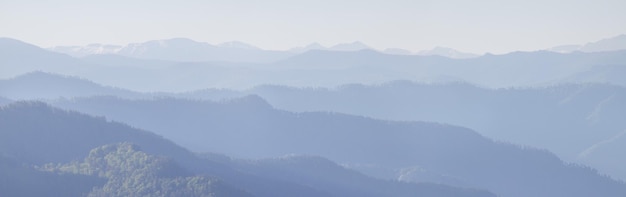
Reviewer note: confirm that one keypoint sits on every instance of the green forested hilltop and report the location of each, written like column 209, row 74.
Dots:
column 131, row 172
column 70, row 144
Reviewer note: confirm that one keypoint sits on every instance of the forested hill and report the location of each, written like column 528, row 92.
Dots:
column 39, row 142
column 444, row 150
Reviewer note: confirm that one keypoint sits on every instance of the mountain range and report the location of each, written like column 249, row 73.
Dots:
column 575, row 121
column 73, row 136
column 126, row 161
column 235, row 51
column 608, row 44
column 588, row 114
column 178, row 117
column 318, row 68
column 432, row 148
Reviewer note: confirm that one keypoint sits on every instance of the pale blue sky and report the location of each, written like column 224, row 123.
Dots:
column 473, row 26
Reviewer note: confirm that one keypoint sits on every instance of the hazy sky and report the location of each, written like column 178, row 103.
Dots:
column 473, row 26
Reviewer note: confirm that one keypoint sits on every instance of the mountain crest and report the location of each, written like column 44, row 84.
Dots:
column 353, row 46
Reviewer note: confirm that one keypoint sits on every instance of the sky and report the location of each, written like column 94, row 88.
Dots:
column 479, row 26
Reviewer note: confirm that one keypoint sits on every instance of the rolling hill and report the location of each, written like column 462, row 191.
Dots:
column 137, row 162
column 251, row 128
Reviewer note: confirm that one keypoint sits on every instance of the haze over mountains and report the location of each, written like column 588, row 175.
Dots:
column 178, row 117
column 228, row 51
column 316, row 68
column 427, row 145
column 25, row 120
column 589, row 115
column 249, row 53
column 608, row 44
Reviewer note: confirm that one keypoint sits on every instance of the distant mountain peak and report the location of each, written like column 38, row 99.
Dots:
column 238, row 45
column 315, row 44
column 13, row 45
column 5, row 40
column 172, row 42
column 180, row 49
column 90, row 49
column 179, row 39
column 353, row 46
column 447, row 52
column 608, row 44
column 309, row 47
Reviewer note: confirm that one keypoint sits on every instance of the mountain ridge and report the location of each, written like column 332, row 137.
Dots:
column 348, row 139
column 100, row 137
column 170, row 49
column 329, row 69
column 607, row 44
